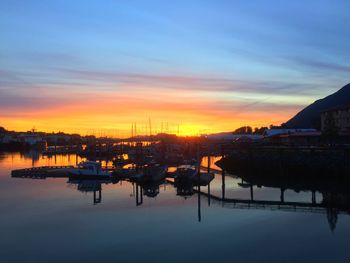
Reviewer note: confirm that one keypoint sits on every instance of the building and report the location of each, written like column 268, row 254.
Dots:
column 230, row 136
column 292, row 136
column 278, row 132
column 336, row 118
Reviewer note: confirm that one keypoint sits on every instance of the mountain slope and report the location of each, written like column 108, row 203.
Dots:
column 310, row 117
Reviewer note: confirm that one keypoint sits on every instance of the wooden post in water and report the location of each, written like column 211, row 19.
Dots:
column 141, row 195
column 198, row 162
column 223, row 184
column 313, row 197
column 199, row 204
column 251, row 192
column 209, row 194
column 282, row 195
column 97, row 199
column 137, row 195
column 208, row 170
column 208, row 158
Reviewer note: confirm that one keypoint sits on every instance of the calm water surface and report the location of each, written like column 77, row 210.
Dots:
column 52, row 221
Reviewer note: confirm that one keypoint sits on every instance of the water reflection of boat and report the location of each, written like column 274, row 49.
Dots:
column 130, row 173
column 184, row 190
column 151, row 189
column 87, row 186
column 244, row 184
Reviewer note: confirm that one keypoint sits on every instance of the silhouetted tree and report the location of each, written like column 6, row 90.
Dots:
column 260, row 130
column 2, row 130
column 275, row 126
column 244, row 130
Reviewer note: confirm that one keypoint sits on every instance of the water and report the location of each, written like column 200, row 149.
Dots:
column 51, row 221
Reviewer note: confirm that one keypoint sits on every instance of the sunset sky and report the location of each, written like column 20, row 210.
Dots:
column 193, row 66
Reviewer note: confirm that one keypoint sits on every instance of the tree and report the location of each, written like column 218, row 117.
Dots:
column 260, row 130
column 2, row 130
column 244, row 130
column 275, row 126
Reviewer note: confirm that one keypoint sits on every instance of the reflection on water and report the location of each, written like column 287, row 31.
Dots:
column 230, row 210
column 210, row 161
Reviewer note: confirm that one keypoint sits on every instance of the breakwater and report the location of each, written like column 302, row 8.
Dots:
column 311, row 161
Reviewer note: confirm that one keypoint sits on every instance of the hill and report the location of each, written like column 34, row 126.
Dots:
column 310, row 117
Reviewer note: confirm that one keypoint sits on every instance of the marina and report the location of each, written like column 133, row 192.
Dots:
column 217, row 210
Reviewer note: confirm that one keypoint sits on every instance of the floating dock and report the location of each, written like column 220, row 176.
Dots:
column 40, row 172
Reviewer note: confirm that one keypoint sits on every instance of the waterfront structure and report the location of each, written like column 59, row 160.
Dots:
column 337, row 118
column 276, row 132
column 292, row 136
column 230, row 136
column 22, row 140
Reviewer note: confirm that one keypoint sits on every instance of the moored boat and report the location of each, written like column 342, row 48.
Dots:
column 86, row 170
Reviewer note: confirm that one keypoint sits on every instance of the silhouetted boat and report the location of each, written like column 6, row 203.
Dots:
column 154, row 172
column 203, row 179
column 131, row 174
column 185, row 174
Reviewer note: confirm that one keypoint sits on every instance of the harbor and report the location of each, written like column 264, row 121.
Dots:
column 206, row 179
column 171, row 202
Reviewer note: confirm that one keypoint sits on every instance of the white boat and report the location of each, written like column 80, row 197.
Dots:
column 87, row 169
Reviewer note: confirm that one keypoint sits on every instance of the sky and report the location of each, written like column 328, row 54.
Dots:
column 187, row 67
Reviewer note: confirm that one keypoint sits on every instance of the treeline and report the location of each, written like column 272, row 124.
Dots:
column 256, row 130
column 54, row 138
column 2, row 130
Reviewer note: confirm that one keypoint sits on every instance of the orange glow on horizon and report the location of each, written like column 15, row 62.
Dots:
column 112, row 114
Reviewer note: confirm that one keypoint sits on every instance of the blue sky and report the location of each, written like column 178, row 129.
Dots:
column 268, row 55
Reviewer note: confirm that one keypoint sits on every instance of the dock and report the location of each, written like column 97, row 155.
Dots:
column 39, row 172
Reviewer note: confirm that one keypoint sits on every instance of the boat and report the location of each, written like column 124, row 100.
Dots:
column 188, row 174
column 185, row 173
column 131, row 174
column 203, row 179
column 154, row 172
column 86, row 170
